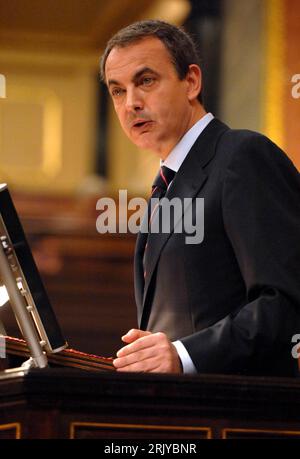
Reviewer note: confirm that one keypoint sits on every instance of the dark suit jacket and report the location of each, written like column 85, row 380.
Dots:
column 234, row 299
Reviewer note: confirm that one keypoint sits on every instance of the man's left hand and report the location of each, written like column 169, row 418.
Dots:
column 147, row 352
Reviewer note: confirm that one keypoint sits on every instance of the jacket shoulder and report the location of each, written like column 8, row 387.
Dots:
column 243, row 137
column 244, row 146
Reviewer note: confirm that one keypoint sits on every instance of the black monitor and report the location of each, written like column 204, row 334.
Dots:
column 27, row 294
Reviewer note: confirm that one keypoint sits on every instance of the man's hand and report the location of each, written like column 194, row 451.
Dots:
column 147, row 352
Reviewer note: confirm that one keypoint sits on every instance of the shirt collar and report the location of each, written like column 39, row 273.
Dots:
column 177, row 155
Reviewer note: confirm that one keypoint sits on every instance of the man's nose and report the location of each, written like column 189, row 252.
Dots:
column 134, row 100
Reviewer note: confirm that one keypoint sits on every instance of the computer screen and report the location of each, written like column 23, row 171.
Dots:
column 21, row 268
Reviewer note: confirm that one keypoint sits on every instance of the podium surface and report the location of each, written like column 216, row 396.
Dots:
column 70, row 403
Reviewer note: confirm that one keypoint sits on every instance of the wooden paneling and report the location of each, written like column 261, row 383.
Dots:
column 10, row 431
column 65, row 403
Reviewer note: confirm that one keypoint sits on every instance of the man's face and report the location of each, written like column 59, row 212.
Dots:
column 152, row 104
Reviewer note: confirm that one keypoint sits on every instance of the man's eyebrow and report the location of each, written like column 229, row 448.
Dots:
column 111, row 82
column 135, row 77
column 142, row 71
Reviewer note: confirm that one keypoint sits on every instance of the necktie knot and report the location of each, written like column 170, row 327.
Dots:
column 162, row 180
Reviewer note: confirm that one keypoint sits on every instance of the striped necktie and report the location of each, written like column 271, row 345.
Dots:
column 159, row 189
column 162, row 181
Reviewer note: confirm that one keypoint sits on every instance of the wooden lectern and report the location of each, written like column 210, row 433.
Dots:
column 71, row 403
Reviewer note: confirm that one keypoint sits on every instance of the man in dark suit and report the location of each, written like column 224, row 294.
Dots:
column 231, row 303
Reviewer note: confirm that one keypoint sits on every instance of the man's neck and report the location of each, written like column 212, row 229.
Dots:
column 198, row 113
column 179, row 152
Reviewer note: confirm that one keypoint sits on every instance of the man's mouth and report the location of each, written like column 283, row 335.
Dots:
column 141, row 123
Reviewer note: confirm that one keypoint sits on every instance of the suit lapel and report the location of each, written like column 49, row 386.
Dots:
column 187, row 183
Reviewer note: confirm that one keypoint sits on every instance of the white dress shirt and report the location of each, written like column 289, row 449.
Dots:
column 174, row 161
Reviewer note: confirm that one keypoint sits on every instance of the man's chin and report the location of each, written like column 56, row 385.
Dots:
column 145, row 144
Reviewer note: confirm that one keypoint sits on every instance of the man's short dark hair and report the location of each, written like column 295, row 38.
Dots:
column 180, row 45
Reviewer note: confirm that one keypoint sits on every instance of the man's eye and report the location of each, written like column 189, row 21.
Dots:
column 116, row 92
column 147, row 81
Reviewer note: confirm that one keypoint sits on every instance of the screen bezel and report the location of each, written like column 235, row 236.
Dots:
column 42, row 311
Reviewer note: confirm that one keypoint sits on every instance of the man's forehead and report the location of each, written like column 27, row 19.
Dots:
column 149, row 51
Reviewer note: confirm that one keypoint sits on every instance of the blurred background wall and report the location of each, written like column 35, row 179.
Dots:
column 61, row 147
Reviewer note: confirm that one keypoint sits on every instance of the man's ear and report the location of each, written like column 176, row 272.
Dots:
column 194, row 81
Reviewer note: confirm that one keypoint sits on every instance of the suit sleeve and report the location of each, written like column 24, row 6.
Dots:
column 261, row 215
